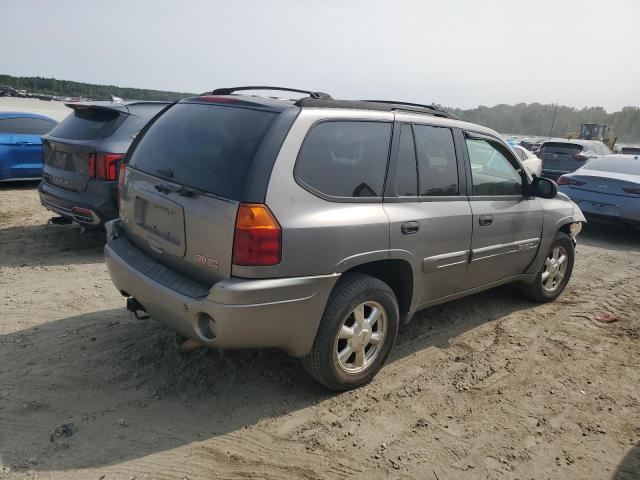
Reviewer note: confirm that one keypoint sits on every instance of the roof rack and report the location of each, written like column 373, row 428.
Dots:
column 230, row 90
column 383, row 105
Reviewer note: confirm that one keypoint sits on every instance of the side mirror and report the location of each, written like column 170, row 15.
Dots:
column 544, row 188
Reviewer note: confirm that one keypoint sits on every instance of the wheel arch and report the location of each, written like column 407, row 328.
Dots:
column 396, row 273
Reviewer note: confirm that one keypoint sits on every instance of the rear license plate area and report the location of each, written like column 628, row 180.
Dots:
column 162, row 222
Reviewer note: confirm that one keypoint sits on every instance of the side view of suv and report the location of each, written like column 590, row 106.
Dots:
column 318, row 226
column 83, row 154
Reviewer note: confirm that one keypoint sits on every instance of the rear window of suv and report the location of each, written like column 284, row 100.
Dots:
column 89, row 124
column 345, row 159
column 560, row 148
column 208, row 147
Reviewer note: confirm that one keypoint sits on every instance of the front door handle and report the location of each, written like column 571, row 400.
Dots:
column 410, row 227
column 485, row 220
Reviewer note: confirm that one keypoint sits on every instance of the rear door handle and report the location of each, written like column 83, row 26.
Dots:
column 410, row 227
column 485, row 220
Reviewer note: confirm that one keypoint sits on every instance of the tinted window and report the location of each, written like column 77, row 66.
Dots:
column 345, row 159
column 26, row 126
column 491, row 172
column 208, row 147
column 630, row 150
column 615, row 165
column 89, row 124
column 406, row 183
column 437, row 166
column 559, row 148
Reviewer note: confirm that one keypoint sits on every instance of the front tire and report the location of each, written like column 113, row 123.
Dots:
column 356, row 333
column 555, row 272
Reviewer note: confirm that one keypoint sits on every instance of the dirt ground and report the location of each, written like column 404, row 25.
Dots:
column 491, row 386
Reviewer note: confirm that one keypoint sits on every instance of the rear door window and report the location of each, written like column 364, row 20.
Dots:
column 437, row 165
column 345, row 159
column 208, row 147
column 89, row 124
column 26, row 126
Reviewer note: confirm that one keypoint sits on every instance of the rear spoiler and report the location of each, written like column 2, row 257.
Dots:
column 114, row 107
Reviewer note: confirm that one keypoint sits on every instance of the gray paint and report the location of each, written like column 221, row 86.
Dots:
column 451, row 255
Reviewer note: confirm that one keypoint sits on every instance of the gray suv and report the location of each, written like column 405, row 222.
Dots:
column 319, row 226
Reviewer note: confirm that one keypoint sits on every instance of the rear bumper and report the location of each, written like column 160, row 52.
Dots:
column 99, row 202
column 235, row 313
column 604, row 206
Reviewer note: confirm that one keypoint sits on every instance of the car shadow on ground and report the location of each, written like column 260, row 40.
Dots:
column 99, row 389
column 610, row 236
column 49, row 245
column 629, row 468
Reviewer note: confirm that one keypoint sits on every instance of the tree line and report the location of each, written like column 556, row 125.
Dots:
column 536, row 119
column 68, row 88
column 522, row 118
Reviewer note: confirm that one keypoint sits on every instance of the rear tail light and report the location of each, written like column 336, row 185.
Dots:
column 569, row 181
column 258, row 237
column 104, row 166
column 579, row 156
column 122, row 171
column 632, row 190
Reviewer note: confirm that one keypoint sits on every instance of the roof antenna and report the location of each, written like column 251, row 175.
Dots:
column 553, row 121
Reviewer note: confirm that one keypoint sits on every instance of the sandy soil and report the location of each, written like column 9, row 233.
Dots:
column 491, row 386
column 52, row 109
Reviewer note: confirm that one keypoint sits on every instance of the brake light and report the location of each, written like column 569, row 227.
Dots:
column 633, row 190
column 258, row 237
column 562, row 180
column 104, row 166
column 579, row 156
column 122, row 171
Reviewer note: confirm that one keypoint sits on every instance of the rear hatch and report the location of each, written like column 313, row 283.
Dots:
column 561, row 157
column 185, row 179
column 70, row 150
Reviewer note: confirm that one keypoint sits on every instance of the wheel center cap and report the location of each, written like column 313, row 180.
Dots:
column 362, row 337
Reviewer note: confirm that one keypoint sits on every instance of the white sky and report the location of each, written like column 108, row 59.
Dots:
column 459, row 53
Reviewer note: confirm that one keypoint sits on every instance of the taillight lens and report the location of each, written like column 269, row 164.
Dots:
column 123, row 170
column 569, row 181
column 258, row 237
column 104, row 166
column 632, row 190
column 580, row 157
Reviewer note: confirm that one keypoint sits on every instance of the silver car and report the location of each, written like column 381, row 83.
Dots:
column 319, row 226
column 607, row 188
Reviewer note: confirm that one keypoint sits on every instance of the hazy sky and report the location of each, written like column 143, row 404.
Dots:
column 459, row 53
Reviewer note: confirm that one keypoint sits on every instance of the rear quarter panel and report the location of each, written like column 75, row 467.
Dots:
column 321, row 236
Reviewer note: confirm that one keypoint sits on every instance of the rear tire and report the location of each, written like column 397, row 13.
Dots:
column 554, row 273
column 356, row 333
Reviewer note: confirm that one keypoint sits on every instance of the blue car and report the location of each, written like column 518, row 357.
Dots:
column 607, row 188
column 21, row 145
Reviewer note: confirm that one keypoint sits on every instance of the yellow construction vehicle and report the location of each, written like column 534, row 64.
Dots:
column 594, row 131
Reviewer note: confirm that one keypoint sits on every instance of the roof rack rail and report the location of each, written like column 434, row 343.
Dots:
column 230, row 90
column 394, row 102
